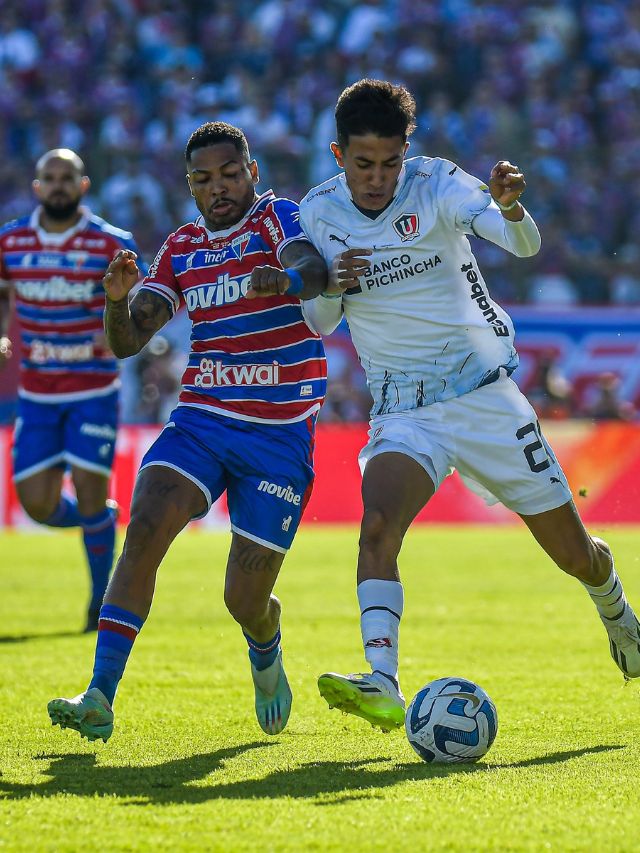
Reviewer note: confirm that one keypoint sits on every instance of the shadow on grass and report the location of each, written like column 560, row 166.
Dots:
column 170, row 782
column 25, row 638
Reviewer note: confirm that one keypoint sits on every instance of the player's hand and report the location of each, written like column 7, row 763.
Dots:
column 5, row 350
column 121, row 275
column 268, row 281
column 507, row 183
column 346, row 268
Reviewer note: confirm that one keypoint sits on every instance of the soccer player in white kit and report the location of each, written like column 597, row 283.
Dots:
column 438, row 353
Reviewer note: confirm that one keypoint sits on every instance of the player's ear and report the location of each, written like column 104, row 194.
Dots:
column 337, row 153
column 255, row 174
column 35, row 185
column 190, row 187
column 85, row 184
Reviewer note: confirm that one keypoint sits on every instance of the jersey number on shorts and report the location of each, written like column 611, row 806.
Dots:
column 530, row 449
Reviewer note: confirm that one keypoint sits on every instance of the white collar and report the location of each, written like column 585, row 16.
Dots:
column 55, row 238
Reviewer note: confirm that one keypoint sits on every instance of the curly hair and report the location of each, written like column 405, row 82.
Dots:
column 214, row 132
column 374, row 106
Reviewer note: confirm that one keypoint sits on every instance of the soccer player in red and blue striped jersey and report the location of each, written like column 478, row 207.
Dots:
column 244, row 422
column 51, row 265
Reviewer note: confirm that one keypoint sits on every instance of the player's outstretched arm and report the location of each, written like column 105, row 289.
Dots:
column 510, row 226
column 305, row 274
column 130, row 325
column 5, row 317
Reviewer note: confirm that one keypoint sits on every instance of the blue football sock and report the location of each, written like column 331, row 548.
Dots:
column 66, row 513
column 263, row 655
column 117, row 631
column 99, row 534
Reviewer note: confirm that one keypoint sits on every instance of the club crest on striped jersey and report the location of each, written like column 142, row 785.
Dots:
column 239, row 245
column 407, row 226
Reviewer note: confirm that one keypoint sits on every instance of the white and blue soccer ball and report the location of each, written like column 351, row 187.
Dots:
column 451, row 719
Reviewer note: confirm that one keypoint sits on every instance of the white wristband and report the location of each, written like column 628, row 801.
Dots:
column 504, row 207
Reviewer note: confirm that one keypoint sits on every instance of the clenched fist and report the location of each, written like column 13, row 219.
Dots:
column 507, row 183
column 121, row 275
column 268, row 281
column 5, row 350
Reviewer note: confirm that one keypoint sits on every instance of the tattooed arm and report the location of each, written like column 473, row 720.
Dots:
column 300, row 257
column 130, row 325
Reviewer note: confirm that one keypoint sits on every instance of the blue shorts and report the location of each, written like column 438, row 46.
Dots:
column 267, row 469
column 80, row 433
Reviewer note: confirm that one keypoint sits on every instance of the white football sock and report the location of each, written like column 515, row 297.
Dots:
column 609, row 598
column 381, row 605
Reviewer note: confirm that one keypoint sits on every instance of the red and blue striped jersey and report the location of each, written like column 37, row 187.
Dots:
column 251, row 359
column 57, row 281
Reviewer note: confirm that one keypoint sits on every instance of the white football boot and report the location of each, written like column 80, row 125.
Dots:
column 273, row 696
column 89, row 713
column 624, row 641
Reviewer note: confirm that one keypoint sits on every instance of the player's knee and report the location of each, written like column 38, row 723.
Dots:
column 148, row 528
column 379, row 533
column 39, row 508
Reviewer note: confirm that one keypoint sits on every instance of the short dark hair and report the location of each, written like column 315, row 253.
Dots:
column 213, row 133
column 374, row 106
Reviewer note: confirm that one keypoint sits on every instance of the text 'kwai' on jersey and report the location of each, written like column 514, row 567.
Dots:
column 251, row 359
column 57, row 282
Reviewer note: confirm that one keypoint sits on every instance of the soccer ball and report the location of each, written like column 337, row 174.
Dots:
column 451, row 719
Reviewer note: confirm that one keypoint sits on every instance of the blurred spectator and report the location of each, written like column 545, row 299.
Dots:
column 549, row 392
column 625, row 284
column 348, row 397
column 607, row 404
column 159, row 381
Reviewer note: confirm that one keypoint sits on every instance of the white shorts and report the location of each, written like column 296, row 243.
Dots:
column 491, row 436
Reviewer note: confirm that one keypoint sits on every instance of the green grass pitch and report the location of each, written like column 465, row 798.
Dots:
column 188, row 768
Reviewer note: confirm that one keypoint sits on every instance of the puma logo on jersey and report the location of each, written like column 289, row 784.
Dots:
column 336, row 239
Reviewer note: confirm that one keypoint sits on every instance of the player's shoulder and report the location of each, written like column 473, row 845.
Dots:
column 11, row 228
column 96, row 224
column 283, row 209
column 451, row 174
column 189, row 234
column 429, row 170
column 321, row 194
column 281, row 203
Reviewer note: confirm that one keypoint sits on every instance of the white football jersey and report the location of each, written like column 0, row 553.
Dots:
column 422, row 321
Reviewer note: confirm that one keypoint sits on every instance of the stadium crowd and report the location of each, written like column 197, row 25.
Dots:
column 552, row 85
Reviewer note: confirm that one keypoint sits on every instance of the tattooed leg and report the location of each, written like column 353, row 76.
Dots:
column 252, row 570
column 163, row 503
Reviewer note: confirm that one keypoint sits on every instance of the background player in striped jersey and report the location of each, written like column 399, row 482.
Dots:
column 52, row 264
column 438, row 353
column 244, row 422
